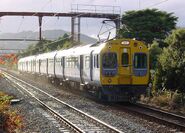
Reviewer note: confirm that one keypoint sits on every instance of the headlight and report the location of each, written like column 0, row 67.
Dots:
column 125, row 42
column 109, row 80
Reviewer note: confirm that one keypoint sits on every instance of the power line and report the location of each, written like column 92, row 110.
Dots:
column 48, row 2
column 156, row 4
column 21, row 23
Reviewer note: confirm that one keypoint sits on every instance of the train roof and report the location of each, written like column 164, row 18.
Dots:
column 27, row 58
column 46, row 55
column 81, row 50
column 78, row 50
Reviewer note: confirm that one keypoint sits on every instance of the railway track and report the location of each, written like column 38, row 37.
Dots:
column 157, row 115
column 73, row 119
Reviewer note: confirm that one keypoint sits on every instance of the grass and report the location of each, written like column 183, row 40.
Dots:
column 10, row 120
column 171, row 101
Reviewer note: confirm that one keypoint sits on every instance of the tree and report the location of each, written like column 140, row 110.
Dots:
column 148, row 24
column 154, row 51
column 171, row 71
column 47, row 46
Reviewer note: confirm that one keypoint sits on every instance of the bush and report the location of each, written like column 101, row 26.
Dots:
column 13, row 121
column 9, row 119
column 171, row 73
column 161, row 99
column 154, row 51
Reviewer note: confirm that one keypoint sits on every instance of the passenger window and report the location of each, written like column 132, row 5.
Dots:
column 61, row 61
column 125, row 59
column 76, row 62
column 87, row 61
column 97, row 58
column 94, row 61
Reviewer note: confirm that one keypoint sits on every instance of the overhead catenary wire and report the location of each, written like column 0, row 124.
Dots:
column 153, row 5
column 49, row 1
column 21, row 23
column 45, row 21
column 156, row 4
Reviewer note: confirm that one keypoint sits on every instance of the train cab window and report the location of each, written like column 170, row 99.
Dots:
column 125, row 59
column 109, row 60
column 140, row 60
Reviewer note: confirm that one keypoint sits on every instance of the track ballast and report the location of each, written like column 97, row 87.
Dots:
column 74, row 119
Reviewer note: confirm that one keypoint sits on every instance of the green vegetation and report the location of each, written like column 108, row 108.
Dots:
column 171, row 70
column 166, row 49
column 154, row 51
column 10, row 120
column 47, row 46
column 167, row 54
column 169, row 76
column 166, row 100
column 148, row 24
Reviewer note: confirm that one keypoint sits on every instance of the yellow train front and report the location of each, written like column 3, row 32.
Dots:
column 124, row 70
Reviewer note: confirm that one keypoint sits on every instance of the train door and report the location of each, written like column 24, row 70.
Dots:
column 81, row 68
column 47, row 61
column 91, row 66
column 54, row 65
column 39, row 65
column 125, row 67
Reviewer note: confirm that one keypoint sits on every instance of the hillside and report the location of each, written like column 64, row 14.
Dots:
column 47, row 34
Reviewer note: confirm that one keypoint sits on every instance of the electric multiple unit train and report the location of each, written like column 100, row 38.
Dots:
column 117, row 69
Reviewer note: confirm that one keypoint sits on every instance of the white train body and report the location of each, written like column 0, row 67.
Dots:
column 73, row 64
column 117, row 68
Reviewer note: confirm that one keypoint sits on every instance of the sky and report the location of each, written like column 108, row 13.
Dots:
column 89, row 26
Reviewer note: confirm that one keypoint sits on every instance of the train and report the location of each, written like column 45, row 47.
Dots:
column 117, row 69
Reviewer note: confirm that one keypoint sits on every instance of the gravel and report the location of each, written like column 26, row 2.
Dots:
column 105, row 112
column 34, row 119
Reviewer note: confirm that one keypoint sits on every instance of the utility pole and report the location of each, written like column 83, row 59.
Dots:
column 40, row 28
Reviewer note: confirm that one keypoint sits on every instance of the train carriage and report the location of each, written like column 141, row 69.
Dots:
column 117, row 69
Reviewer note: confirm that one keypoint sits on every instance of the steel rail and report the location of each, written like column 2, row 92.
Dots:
column 152, row 114
column 74, row 127
column 161, row 111
column 93, row 119
column 167, row 114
